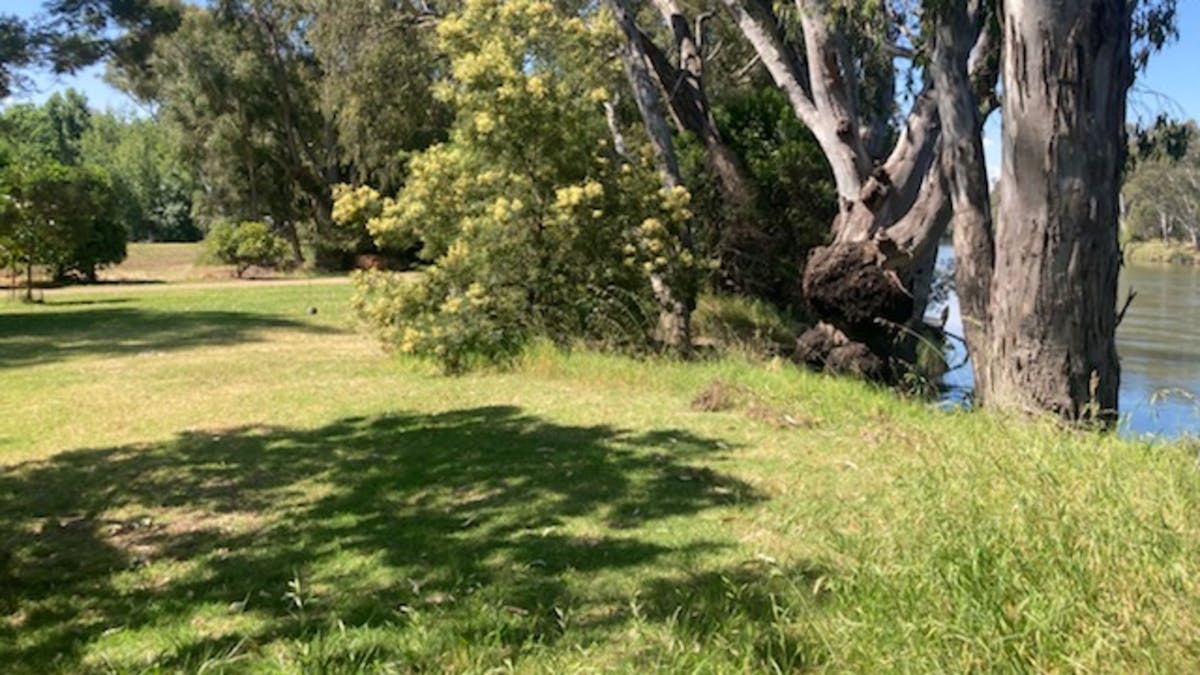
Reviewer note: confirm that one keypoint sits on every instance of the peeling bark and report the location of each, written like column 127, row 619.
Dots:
column 891, row 212
column 1066, row 73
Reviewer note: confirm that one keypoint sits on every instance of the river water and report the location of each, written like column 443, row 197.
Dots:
column 1158, row 343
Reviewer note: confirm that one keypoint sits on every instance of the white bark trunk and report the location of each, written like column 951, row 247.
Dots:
column 674, row 324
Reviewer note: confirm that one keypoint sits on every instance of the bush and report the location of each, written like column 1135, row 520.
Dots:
column 250, row 243
column 529, row 223
column 762, row 250
column 63, row 217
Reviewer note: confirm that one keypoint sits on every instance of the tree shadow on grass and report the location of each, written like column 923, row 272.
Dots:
column 482, row 519
column 31, row 338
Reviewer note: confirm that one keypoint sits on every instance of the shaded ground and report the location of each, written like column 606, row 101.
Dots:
column 481, row 520
column 113, row 327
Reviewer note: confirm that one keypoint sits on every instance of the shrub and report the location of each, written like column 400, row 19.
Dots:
column 63, row 217
column 250, row 243
column 528, row 221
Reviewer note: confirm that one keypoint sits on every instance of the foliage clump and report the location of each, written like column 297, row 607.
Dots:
column 60, row 217
column 247, row 244
column 1160, row 191
column 529, row 222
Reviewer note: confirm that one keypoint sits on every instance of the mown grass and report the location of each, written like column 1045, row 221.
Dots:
column 215, row 479
column 165, row 262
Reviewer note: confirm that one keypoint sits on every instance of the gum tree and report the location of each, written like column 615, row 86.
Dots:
column 833, row 61
column 1038, row 285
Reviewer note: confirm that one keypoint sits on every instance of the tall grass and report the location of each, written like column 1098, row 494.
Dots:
column 216, row 480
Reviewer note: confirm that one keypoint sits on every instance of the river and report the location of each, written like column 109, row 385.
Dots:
column 1157, row 342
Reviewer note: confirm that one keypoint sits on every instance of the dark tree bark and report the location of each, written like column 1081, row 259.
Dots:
column 963, row 35
column 1066, row 73
column 683, row 88
column 742, row 242
column 29, row 279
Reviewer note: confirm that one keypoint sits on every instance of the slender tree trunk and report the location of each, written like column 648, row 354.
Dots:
column 742, row 244
column 293, row 238
column 683, row 87
column 29, row 279
column 674, row 326
column 957, row 29
column 326, row 256
column 1066, row 73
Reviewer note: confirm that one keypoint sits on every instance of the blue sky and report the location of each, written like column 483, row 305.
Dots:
column 1168, row 85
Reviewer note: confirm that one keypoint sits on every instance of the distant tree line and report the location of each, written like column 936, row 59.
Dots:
column 78, row 184
column 1162, row 192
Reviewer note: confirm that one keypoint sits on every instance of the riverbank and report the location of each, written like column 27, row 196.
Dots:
column 1161, row 253
column 215, row 478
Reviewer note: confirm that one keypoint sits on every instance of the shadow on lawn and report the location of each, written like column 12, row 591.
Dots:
column 30, row 338
column 465, row 517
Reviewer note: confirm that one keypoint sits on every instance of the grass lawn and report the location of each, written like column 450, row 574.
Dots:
column 165, row 262
column 211, row 478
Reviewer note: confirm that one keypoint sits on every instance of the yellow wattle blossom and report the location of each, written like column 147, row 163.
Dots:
column 568, row 197
column 575, row 25
column 676, row 197
column 653, row 226
column 476, row 294
column 536, row 86
column 452, row 304
column 501, row 209
column 408, row 340
column 355, row 206
column 484, row 122
column 451, row 27
column 489, row 177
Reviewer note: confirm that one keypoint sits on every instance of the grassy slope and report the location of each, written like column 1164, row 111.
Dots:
column 1157, row 252
column 214, row 478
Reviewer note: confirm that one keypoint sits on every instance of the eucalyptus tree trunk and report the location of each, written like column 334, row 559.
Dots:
column 744, row 245
column 675, row 315
column 1051, row 343
column 682, row 85
column 962, row 38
